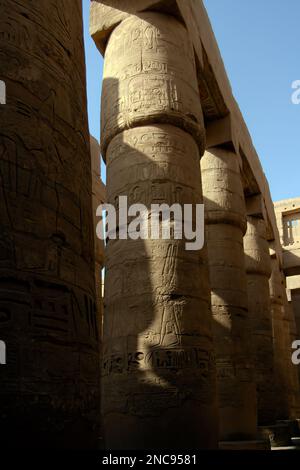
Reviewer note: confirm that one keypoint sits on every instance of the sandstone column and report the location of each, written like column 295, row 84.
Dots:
column 293, row 335
column 158, row 379
column 258, row 269
column 225, row 228
column 49, row 394
column 292, row 304
column 280, row 325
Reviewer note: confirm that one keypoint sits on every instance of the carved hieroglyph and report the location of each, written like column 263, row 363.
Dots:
column 49, row 392
column 258, row 267
column 158, row 383
column 225, row 227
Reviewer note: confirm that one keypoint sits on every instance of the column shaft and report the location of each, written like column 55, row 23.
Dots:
column 158, row 367
column 258, row 267
column 225, row 227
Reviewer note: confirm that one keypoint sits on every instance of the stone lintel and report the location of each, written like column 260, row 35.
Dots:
column 255, row 206
column 220, row 133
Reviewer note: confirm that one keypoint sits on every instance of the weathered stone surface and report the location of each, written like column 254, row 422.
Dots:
column 142, row 64
column 295, row 304
column 281, row 339
column 150, row 77
column 158, row 371
column 294, row 400
column 49, row 389
column 225, row 227
column 158, row 382
column 158, row 155
column 258, row 268
column 107, row 15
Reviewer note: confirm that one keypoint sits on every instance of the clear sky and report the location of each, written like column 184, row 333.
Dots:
column 259, row 42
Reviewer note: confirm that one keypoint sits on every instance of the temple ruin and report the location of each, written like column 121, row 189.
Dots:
column 188, row 349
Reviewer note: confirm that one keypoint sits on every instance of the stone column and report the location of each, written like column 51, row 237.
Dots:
column 280, row 325
column 225, row 228
column 294, row 309
column 293, row 335
column 49, row 394
column 158, row 368
column 98, row 198
column 258, row 268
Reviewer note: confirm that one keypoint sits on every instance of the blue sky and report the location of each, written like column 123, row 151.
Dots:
column 259, row 42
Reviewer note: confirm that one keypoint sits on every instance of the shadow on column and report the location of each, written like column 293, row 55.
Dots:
column 231, row 321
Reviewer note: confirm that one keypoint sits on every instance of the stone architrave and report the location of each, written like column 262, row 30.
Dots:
column 225, row 227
